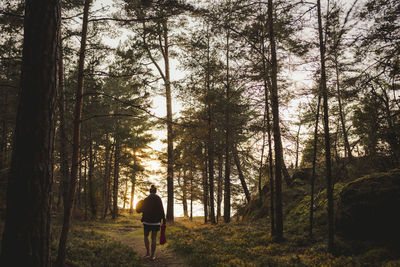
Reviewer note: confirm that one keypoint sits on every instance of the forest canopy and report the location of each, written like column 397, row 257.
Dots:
column 227, row 106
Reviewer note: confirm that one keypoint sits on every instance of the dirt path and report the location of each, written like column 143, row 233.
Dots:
column 132, row 235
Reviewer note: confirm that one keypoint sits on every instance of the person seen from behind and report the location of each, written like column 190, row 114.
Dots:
column 153, row 213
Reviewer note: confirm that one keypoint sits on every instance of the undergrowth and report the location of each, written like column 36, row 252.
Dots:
column 86, row 247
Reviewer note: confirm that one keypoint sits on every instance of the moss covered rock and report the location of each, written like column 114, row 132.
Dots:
column 369, row 208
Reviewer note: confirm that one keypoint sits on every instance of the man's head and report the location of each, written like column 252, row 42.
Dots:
column 153, row 189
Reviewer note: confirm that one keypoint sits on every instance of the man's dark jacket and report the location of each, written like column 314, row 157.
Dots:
column 153, row 210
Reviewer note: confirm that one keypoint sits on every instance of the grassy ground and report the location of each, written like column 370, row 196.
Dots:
column 249, row 244
column 89, row 246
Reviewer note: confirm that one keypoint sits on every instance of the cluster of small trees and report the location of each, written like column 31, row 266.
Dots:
column 83, row 107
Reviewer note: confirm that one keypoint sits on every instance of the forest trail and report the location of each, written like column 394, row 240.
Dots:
column 129, row 231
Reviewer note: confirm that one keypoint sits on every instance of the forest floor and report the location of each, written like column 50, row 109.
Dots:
column 194, row 243
column 129, row 230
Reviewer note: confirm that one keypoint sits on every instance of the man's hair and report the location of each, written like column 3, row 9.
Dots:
column 153, row 189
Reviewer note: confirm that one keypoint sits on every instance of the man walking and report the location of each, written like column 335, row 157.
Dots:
column 153, row 213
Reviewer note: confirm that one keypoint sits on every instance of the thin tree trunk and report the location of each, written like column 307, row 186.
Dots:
column 26, row 236
column 79, row 193
column 341, row 113
column 116, row 178
column 297, row 146
column 220, row 184
column 64, row 168
column 326, row 131
column 184, row 195
column 276, row 127
column 93, row 209
column 68, row 205
column 191, row 195
column 270, row 160
column 313, row 165
column 205, row 190
column 167, row 82
column 133, row 181
column 227, row 180
column 210, row 133
column 170, row 141
column 3, row 144
column 241, row 176
column 85, row 187
column 260, row 171
column 125, row 194
column 106, row 179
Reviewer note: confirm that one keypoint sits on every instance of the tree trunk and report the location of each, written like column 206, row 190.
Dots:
column 313, row 165
column 85, row 187
column 210, row 143
column 184, row 195
column 241, row 176
column 133, row 181
column 125, row 194
column 297, row 146
column 326, row 132
column 341, row 113
column 205, row 190
column 26, row 236
column 191, row 195
column 270, row 160
column 276, row 127
column 227, row 180
column 106, row 179
column 167, row 82
column 68, row 205
column 64, row 168
column 3, row 144
column 170, row 141
column 92, row 200
column 116, row 178
column 220, row 184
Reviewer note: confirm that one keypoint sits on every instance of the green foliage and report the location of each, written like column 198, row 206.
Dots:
column 89, row 248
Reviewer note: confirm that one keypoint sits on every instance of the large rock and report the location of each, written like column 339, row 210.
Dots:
column 369, row 208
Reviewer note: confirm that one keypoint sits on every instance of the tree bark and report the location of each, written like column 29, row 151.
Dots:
column 313, row 166
column 125, row 194
column 241, row 176
column 184, row 195
column 64, row 168
column 326, row 131
column 133, row 181
column 205, row 190
column 106, row 179
column 170, row 141
column 276, row 127
column 191, row 195
column 92, row 199
column 26, row 236
column 85, row 186
column 227, row 179
column 69, row 203
column 167, row 82
column 268, row 122
column 220, row 185
column 116, row 178
column 210, row 142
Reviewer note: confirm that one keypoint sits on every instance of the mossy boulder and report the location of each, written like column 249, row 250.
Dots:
column 369, row 208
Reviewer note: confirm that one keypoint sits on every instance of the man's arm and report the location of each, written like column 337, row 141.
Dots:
column 162, row 210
